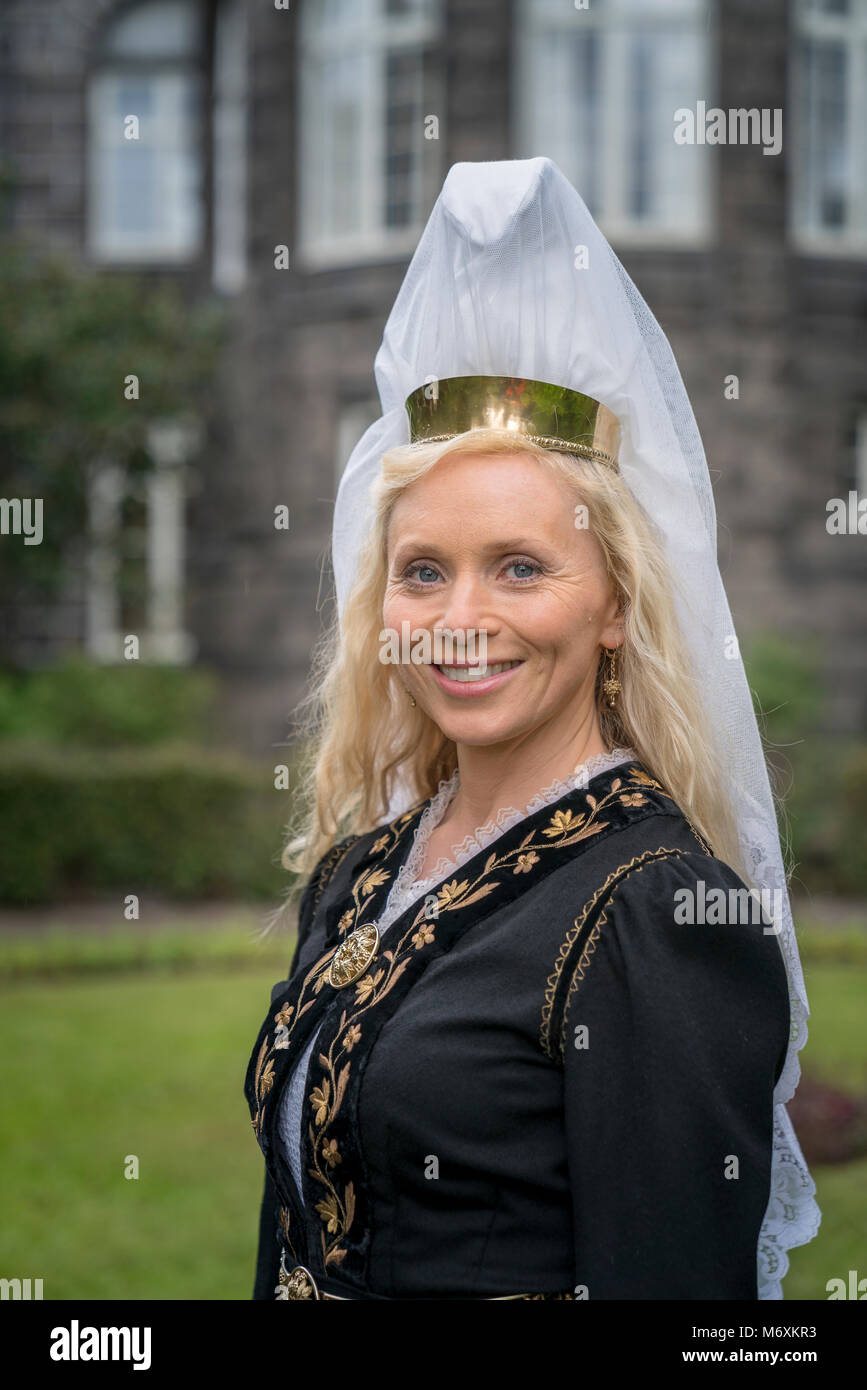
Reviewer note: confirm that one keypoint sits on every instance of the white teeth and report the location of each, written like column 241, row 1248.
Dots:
column 476, row 673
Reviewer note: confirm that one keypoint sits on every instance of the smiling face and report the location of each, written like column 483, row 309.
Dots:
column 489, row 544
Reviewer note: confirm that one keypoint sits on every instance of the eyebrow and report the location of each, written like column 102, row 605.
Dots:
column 497, row 547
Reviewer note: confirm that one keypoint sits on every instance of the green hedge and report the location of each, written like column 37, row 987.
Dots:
column 182, row 821
column 84, row 703
column 827, row 816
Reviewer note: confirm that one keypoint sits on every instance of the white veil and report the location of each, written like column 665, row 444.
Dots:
column 512, row 277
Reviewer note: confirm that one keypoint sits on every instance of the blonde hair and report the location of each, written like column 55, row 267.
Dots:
column 360, row 735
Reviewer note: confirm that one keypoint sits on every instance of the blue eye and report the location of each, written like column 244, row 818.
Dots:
column 525, row 565
column 414, row 570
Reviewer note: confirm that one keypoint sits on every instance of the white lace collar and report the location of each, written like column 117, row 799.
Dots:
column 407, row 886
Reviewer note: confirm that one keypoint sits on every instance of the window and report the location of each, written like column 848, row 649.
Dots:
column 144, row 114
column 135, row 578
column 828, row 101
column 368, row 171
column 597, row 91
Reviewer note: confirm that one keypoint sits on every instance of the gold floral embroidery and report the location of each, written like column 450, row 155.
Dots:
column 288, row 1016
column 638, row 775
column 564, row 821
column 525, row 863
column 329, row 1212
column 366, row 986
column 333, row 860
column 371, row 880
column 319, row 1098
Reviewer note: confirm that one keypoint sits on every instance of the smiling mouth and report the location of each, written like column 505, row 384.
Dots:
column 476, row 673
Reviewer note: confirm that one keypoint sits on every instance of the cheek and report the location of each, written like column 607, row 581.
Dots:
column 395, row 607
column 560, row 616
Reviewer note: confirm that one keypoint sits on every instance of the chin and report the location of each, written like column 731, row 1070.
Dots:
column 481, row 731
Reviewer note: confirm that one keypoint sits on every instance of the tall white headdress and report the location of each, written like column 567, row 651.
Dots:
column 512, row 277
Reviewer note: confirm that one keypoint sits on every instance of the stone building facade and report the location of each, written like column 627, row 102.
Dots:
column 307, row 126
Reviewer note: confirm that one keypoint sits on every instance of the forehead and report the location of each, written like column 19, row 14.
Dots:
column 483, row 487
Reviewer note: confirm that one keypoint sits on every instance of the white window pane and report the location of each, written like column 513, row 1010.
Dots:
column 665, row 73
column 340, row 92
column 134, row 96
column 145, row 199
column 330, row 16
column 826, row 134
column 829, row 100
column 365, row 88
column 159, row 29
column 132, row 185
column 568, row 72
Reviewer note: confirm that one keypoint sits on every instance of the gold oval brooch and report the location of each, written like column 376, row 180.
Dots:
column 354, row 955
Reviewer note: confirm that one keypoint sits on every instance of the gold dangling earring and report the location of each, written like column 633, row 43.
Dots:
column 412, row 698
column 612, row 686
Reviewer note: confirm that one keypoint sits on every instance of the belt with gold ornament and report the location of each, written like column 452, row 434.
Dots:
column 299, row 1283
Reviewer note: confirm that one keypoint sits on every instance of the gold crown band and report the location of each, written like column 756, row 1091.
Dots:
column 554, row 417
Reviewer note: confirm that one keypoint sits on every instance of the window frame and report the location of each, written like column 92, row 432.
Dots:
column 370, row 36
column 805, row 237
column 613, row 25
column 109, row 251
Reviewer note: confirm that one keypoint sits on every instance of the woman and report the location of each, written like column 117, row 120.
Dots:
column 538, row 1032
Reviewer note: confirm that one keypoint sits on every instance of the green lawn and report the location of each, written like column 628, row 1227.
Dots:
column 150, row 1065
column 837, row 1026
column 97, row 1066
column 842, row 1240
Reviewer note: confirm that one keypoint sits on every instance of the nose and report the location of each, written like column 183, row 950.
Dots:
column 467, row 605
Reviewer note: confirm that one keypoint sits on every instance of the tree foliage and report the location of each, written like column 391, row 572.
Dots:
column 69, row 336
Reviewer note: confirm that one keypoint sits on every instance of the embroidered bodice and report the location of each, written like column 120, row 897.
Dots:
column 462, row 1041
column 408, row 888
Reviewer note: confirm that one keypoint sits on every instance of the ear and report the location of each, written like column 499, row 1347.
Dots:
column 614, row 634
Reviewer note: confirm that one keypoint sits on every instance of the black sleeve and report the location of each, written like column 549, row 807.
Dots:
column 669, row 1094
column 268, row 1253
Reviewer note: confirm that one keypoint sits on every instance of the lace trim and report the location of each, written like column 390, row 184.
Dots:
column 792, row 1216
column 408, row 886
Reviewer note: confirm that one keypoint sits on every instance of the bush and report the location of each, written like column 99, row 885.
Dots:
column 786, row 685
column 178, row 820
column 821, row 781
column 91, row 705
column 827, row 816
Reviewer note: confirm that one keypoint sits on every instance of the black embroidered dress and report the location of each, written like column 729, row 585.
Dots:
column 553, row 1087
